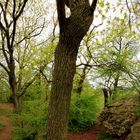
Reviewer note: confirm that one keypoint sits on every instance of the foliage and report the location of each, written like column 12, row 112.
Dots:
column 105, row 136
column 4, row 89
column 123, row 94
column 30, row 123
column 35, row 91
column 1, row 124
column 84, row 110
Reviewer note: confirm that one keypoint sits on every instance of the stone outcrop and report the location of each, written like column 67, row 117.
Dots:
column 135, row 131
column 118, row 118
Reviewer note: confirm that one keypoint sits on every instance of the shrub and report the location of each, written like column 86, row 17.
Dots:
column 83, row 111
column 31, row 121
column 122, row 94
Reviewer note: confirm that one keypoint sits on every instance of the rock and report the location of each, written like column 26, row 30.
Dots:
column 119, row 117
column 135, row 132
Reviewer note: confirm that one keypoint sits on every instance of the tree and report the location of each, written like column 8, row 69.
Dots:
column 8, row 28
column 16, row 39
column 119, row 47
column 72, row 31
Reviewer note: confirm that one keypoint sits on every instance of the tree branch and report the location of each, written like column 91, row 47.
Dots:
column 2, row 27
column 4, row 13
column 61, row 14
column 4, row 68
column 3, row 49
column 31, row 35
column 26, row 85
column 129, row 22
column 93, row 6
column 21, row 10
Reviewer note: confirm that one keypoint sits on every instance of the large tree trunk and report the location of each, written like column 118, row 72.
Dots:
column 12, row 81
column 64, row 71
column 14, row 93
column 72, row 31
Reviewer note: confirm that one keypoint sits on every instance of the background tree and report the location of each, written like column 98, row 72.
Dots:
column 8, row 31
column 118, row 49
column 18, row 33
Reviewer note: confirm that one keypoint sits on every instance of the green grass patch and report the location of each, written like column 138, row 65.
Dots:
column 1, row 125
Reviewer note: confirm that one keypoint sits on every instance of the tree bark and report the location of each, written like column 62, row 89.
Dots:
column 116, row 82
column 64, row 71
column 72, row 31
column 12, row 81
column 105, row 92
column 81, row 81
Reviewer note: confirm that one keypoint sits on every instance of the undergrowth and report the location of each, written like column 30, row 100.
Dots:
column 30, row 123
column 84, row 111
column 122, row 94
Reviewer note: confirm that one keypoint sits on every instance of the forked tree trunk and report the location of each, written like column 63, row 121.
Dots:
column 72, row 31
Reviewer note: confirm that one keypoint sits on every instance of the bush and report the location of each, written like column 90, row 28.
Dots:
column 31, row 121
column 122, row 94
column 83, row 111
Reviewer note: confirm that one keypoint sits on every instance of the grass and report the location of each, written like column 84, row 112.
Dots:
column 4, row 112
column 1, row 125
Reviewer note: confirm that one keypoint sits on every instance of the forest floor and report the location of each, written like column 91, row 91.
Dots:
column 6, row 130
column 92, row 134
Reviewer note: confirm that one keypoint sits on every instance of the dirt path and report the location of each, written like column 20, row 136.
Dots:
column 91, row 134
column 5, row 132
